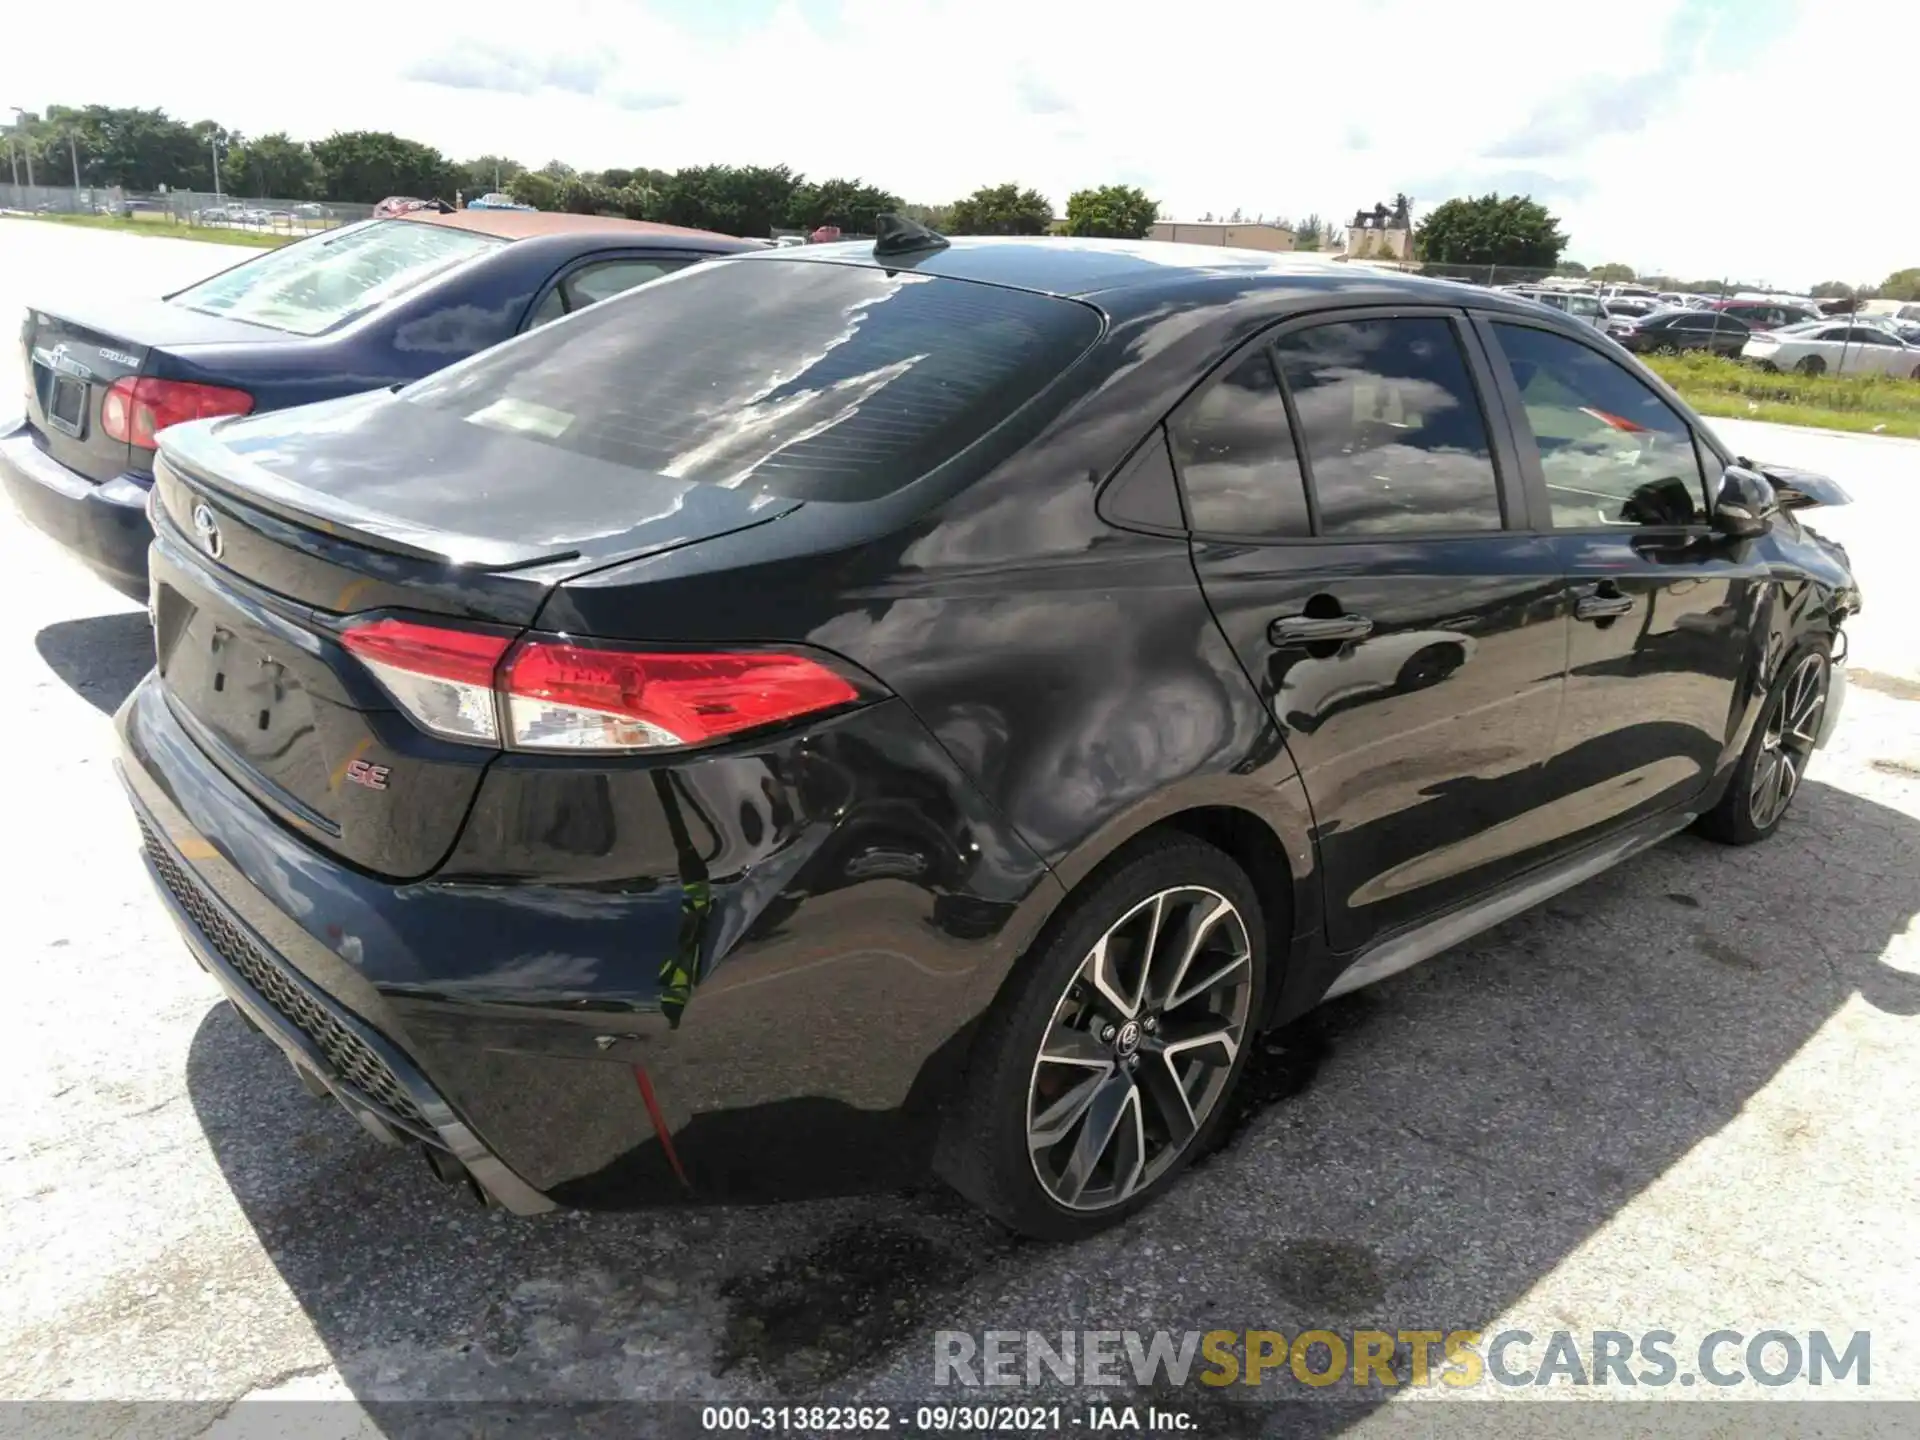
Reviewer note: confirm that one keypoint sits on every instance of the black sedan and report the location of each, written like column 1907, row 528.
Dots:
column 362, row 307
column 853, row 708
column 1669, row 332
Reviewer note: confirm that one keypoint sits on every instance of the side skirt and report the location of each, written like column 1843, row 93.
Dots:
column 1408, row 948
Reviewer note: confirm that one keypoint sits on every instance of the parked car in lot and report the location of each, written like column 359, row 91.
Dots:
column 1765, row 314
column 1576, row 303
column 1623, row 311
column 367, row 305
column 938, row 704
column 1672, row 331
column 1844, row 347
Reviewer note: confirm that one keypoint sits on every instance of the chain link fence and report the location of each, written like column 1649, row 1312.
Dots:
column 185, row 210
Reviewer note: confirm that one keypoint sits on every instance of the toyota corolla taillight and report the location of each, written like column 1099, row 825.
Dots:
column 549, row 692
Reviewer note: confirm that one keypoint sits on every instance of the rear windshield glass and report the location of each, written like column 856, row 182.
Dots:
column 314, row 285
column 791, row 377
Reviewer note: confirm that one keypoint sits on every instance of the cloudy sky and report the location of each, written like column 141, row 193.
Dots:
column 1763, row 139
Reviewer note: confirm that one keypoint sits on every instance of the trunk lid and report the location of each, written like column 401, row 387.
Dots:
column 74, row 350
column 273, row 533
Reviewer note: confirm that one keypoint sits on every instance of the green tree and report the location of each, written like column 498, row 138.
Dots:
column 1491, row 230
column 1901, row 285
column 275, row 166
column 1118, row 212
column 734, row 200
column 366, row 166
column 1832, row 290
column 487, row 173
column 853, row 205
column 934, row 217
column 1001, row 210
column 530, row 187
column 1611, row 273
column 1572, row 269
column 1310, row 234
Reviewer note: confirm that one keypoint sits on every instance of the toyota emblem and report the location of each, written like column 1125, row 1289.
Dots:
column 207, row 530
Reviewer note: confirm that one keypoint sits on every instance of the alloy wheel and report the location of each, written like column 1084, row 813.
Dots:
column 1787, row 743
column 1140, row 1047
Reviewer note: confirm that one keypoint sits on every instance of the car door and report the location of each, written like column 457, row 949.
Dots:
column 1663, row 608
column 600, row 276
column 1360, row 534
column 1882, row 354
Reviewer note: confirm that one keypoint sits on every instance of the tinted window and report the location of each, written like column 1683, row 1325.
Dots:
column 1392, row 428
column 551, row 307
column 1614, row 452
column 316, row 284
column 801, row 379
column 1866, row 335
column 1237, row 456
column 593, row 283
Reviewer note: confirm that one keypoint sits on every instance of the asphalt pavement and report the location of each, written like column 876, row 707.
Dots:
column 1679, row 1097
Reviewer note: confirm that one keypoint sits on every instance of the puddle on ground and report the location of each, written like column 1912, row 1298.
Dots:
column 808, row 1319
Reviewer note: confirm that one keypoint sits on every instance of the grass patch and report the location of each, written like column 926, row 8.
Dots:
column 158, row 224
column 1868, row 404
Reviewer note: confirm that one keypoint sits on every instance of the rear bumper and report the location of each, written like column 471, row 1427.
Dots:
column 330, row 1048
column 523, row 1028
column 102, row 524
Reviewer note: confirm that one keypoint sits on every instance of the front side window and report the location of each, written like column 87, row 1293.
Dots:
column 1237, row 456
column 1392, row 427
column 309, row 287
column 1612, row 451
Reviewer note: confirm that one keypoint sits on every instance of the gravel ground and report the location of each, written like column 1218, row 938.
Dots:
column 1678, row 1097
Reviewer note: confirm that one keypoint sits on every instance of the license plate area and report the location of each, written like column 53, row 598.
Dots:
column 232, row 680
column 67, row 404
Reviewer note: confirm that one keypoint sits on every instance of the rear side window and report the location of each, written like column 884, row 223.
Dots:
column 1392, row 427
column 790, row 377
column 1237, row 456
column 310, row 287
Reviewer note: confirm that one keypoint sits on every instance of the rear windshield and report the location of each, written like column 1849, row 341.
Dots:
column 792, row 377
column 314, row 285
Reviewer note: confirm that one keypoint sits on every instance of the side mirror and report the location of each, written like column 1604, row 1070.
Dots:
column 1744, row 505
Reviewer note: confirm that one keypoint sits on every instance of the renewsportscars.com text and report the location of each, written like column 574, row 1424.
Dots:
column 1456, row 1359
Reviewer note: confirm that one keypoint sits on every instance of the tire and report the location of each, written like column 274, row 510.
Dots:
column 1811, row 365
column 1916, row 373
column 1767, row 367
column 1769, row 773
column 1429, row 666
column 1113, row 1064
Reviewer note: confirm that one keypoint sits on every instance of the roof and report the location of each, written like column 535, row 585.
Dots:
column 525, row 224
column 1140, row 270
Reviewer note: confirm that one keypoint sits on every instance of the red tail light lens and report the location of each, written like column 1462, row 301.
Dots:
column 556, row 695
column 566, row 697
column 136, row 410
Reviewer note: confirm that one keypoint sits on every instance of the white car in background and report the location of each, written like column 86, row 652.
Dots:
column 1834, row 347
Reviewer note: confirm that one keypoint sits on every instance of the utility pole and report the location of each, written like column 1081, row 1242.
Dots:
column 213, row 147
column 73, row 151
column 19, row 117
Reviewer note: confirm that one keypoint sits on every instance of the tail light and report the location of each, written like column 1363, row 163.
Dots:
column 549, row 693
column 135, row 410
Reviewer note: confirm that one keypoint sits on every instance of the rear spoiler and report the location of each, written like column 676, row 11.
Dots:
column 1796, row 489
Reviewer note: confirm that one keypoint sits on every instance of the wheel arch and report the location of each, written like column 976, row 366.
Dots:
column 1274, row 846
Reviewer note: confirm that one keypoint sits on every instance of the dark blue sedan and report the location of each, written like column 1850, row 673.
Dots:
column 359, row 308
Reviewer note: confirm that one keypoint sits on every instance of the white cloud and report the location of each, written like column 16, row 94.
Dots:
column 1701, row 136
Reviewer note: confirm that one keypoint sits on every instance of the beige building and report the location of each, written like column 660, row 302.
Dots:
column 1244, row 235
column 1382, row 233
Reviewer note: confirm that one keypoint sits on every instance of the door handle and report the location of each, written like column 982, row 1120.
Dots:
column 1309, row 629
column 1603, row 602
